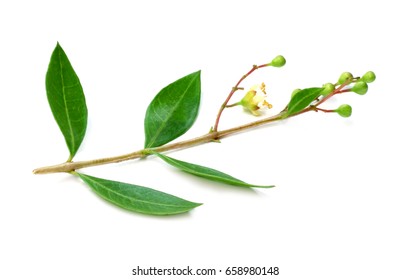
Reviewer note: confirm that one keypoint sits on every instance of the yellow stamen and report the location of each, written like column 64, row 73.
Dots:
column 267, row 104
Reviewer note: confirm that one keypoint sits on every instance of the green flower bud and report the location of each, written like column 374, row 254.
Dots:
column 369, row 77
column 327, row 89
column 360, row 87
column 344, row 110
column 344, row 77
column 278, row 61
column 295, row 91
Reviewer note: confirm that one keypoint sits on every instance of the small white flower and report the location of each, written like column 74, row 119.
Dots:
column 255, row 100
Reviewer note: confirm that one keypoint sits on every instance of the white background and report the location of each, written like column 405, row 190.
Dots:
column 341, row 206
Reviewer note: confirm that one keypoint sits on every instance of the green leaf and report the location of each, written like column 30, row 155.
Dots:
column 173, row 110
column 206, row 172
column 66, row 98
column 302, row 99
column 136, row 198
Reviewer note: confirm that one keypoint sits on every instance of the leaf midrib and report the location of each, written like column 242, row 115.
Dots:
column 300, row 101
column 184, row 168
column 122, row 195
column 169, row 115
column 66, row 107
column 230, row 180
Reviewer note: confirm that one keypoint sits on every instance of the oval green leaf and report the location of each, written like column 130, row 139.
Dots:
column 173, row 110
column 138, row 199
column 66, row 98
column 206, row 172
column 302, row 99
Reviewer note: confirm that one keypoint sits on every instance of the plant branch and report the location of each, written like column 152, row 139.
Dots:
column 212, row 136
column 338, row 90
column 234, row 89
column 209, row 137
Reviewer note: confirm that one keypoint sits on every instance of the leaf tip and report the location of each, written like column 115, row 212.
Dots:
column 196, row 73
